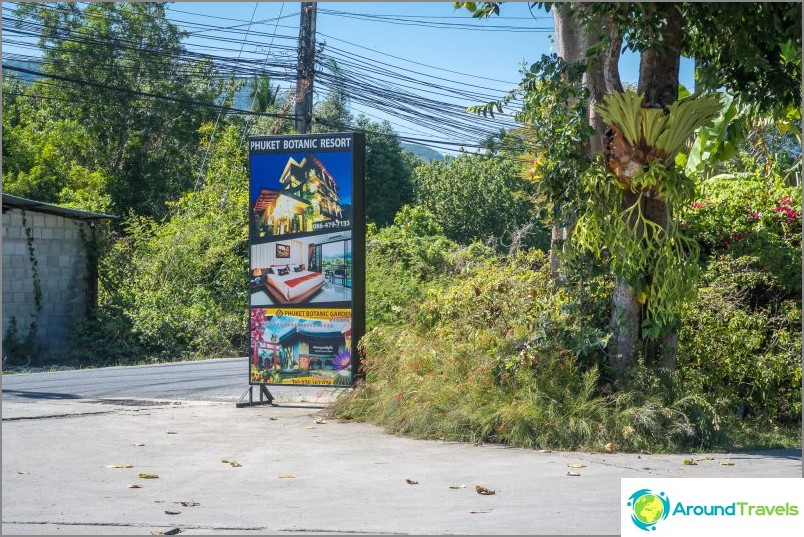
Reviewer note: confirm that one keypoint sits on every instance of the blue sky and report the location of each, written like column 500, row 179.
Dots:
column 483, row 56
column 491, row 54
column 491, row 58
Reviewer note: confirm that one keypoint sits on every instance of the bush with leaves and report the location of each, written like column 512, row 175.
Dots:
column 499, row 354
column 400, row 260
column 741, row 343
column 478, row 198
column 176, row 288
column 750, row 213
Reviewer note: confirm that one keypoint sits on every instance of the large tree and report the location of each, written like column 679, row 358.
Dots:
column 139, row 100
column 752, row 49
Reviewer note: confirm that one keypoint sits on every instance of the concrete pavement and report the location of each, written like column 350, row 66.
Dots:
column 348, row 478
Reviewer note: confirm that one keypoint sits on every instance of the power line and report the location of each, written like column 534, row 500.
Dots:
column 403, row 93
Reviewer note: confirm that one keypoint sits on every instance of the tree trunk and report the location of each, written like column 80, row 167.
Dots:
column 572, row 42
column 568, row 33
column 658, row 67
column 658, row 80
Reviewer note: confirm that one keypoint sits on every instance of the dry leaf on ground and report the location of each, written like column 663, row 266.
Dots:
column 135, row 486
column 172, row 512
column 137, row 444
column 690, row 462
column 457, row 486
column 119, row 466
column 577, row 465
column 479, row 511
column 609, row 448
column 320, row 420
column 189, row 503
column 726, row 463
column 287, row 476
column 148, row 476
column 484, row 491
column 705, row 459
column 573, row 474
column 411, row 482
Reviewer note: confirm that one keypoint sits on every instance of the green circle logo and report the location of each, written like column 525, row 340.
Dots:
column 648, row 508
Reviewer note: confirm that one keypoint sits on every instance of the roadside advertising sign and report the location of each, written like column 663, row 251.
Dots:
column 307, row 258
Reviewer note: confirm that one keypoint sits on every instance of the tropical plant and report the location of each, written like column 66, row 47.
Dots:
column 479, row 198
column 649, row 251
column 263, row 95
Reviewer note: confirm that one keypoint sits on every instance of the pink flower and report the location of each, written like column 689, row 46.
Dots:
column 697, row 204
column 754, row 215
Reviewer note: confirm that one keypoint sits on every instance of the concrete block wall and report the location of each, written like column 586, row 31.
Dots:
column 62, row 269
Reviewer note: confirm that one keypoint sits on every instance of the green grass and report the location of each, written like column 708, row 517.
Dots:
column 427, row 386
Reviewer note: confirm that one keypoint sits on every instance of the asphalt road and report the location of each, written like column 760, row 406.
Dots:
column 74, row 442
column 221, row 380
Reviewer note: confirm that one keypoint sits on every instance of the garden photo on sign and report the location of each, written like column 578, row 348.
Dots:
column 301, row 346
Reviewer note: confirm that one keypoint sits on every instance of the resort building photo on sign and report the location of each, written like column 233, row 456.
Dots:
column 306, row 258
column 304, row 197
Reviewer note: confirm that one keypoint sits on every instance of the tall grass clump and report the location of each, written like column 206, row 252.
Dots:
column 502, row 354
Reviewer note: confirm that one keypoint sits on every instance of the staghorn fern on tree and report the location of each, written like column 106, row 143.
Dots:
column 636, row 175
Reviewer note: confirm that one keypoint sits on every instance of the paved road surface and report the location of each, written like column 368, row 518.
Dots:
column 61, row 432
column 205, row 380
column 300, row 476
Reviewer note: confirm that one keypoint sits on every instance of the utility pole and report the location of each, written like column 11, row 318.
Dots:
column 305, row 68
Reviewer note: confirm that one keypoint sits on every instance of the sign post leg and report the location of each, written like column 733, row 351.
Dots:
column 266, row 398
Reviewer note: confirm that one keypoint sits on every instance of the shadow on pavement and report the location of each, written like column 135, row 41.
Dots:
column 785, row 453
column 41, row 395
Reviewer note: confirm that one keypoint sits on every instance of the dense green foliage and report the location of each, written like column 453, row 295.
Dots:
column 470, row 334
column 487, row 348
column 404, row 256
column 475, row 197
column 116, row 145
column 388, row 172
column 175, row 288
column 750, row 212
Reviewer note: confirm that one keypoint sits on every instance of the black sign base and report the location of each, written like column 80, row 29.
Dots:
column 265, row 397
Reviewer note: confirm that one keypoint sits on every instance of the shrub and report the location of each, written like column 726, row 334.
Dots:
column 751, row 213
column 176, row 288
column 500, row 354
column 741, row 343
column 478, row 198
column 399, row 260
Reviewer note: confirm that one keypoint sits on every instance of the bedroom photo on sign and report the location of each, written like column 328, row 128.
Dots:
column 316, row 269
